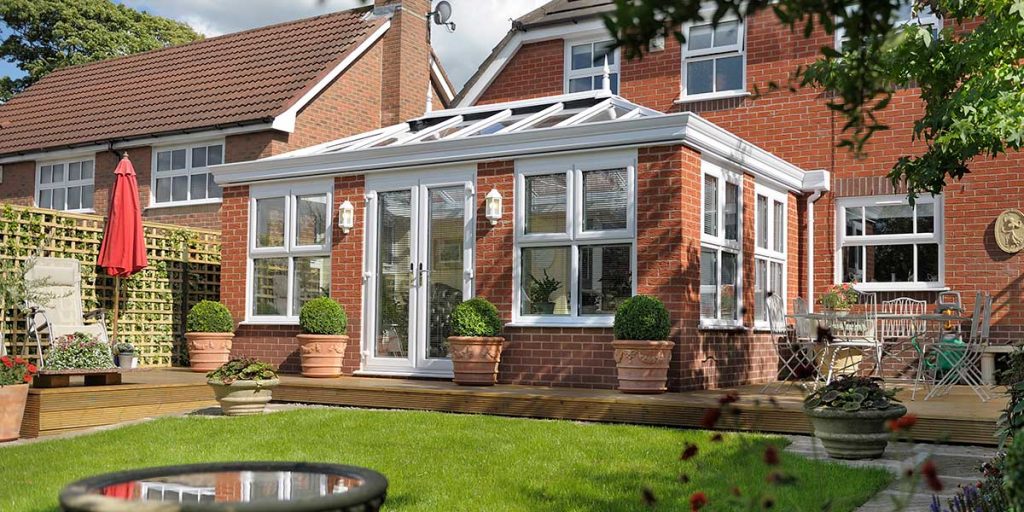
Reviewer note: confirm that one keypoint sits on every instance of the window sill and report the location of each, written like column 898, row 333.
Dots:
column 707, row 326
column 271, row 321
column 574, row 323
column 683, row 100
column 900, row 287
column 164, row 206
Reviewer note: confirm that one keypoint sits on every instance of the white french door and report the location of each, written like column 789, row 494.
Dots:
column 418, row 267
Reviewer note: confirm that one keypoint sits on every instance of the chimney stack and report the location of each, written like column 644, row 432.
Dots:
column 406, row 66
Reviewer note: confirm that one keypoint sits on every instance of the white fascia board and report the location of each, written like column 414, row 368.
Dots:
column 285, row 121
column 446, row 88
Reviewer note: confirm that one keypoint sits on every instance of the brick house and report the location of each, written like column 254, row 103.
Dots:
column 238, row 97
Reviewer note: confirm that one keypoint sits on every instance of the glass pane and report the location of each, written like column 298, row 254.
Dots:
column 163, row 190
column 87, row 192
column 700, row 38
column 545, row 203
column 729, row 275
column 75, row 171
column 178, row 159
column 58, row 199
column 853, row 264
column 270, row 287
column 760, row 282
column 74, row 198
column 603, row 50
column 889, row 263
column 925, row 218
column 394, row 266
column 163, row 161
column 928, row 263
column 709, row 284
column 311, row 219
column 710, row 205
column 726, row 33
column 198, row 186
column 213, row 189
column 545, row 286
column 198, row 157
column 699, row 76
column 605, row 199
column 889, row 219
column 606, row 278
column 45, row 174
column 45, row 198
column 614, row 77
column 270, row 222
column 732, row 207
column 854, row 222
column 312, row 280
column 729, row 74
column 215, row 155
column 447, row 238
column 776, row 278
column 581, row 56
column 58, row 173
column 580, row 85
column 87, row 170
column 762, row 222
column 179, row 188
column 780, row 226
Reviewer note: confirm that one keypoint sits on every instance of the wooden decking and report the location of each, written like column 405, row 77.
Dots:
column 957, row 418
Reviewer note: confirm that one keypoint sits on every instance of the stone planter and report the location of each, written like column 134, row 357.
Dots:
column 475, row 359
column 207, row 351
column 321, row 355
column 243, row 397
column 642, row 365
column 853, row 435
column 12, row 410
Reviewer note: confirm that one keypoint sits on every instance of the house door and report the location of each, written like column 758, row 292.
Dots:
column 419, row 266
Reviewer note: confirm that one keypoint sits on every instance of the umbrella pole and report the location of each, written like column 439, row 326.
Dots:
column 117, row 300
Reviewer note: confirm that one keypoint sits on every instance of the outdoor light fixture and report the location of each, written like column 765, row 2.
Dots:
column 346, row 216
column 492, row 206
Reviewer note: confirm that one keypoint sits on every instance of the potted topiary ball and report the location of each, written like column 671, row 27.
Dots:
column 849, row 416
column 323, row 340
column 209, row 329
column 243, row 386
column 642, row 349
column 474, row 346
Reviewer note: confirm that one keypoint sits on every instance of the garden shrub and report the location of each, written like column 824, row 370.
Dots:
column 1013, row 473
column 642, row 318
column 476, row 317
column 323, row 315
column 209, row 316
column 78, row 351
column 1012, row 418
column 242, row 369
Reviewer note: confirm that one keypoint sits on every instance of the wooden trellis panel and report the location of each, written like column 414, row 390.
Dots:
column 184, row 268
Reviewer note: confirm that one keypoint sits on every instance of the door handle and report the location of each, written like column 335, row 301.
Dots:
column 423, row 271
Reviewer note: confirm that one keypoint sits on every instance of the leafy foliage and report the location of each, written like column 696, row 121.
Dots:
column 15, row 370
column 1012, row 418
column 242, row 369
column 323, row 315
column 476, row 317
column 988, row 495
column 124, row 347
column 642, row 317
column 852, row 394
column 45, row 35
column 840, row 296
column 209, row 316
column 1013, row 474
column 540, row 291
column 78, row 351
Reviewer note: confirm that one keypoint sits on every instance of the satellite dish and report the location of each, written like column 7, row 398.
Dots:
column 442, row 13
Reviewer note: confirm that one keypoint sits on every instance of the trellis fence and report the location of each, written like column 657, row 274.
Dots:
column 184, row 268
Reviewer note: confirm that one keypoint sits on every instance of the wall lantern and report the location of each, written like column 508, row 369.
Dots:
column 492, row 206
column 346, row 216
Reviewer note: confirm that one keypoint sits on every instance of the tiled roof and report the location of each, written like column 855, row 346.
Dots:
column 242, row 78
column 566, row 10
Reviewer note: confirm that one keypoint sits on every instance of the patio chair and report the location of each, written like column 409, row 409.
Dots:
column 944, row 364
column 63, row 314
column 897, row 324
column 856, row 334
column 796, row 355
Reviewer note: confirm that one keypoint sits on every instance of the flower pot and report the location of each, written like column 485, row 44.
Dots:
column 853, row 435
column 543, row 308
column 642, row 365
column 208, row 350
column 321, row 355
column 475, row 359
column 127, row 361
column 839, row 312
column 243, row 397
column 12, row 410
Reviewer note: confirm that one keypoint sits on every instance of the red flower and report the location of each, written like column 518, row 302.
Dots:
column 697, row 501
column 730, row 398
column 771, row 456
column 7, row 361
column 711, row 418
column 32, row 368
column 18, row 360
column 28, row 378
column 902, row 423
column 931, row 475
column 689, row 452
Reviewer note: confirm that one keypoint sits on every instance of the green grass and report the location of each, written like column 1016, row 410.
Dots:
column 450, row 462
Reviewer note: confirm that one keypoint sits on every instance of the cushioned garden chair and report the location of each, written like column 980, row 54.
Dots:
column 62, row 315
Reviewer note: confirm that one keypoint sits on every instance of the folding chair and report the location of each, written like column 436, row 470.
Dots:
column 947, row 364
column 897, row 323
column 857, row 333
column 796, row 355
column 63, row 314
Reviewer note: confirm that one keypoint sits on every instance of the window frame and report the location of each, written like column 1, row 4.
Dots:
column 187, row 171
column 771, row 254
column 568, row 73
column 67, row 183
column 930, row 18
column 936, row 237
column 720, row 244
column 289, row 250
column 713, row 53
column 574, row 236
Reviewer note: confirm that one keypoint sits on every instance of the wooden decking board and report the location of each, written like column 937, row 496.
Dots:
column 119, row 396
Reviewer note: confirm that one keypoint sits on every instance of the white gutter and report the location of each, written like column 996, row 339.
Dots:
column 819, row 182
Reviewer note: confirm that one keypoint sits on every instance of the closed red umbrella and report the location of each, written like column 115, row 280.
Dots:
column 123, row 250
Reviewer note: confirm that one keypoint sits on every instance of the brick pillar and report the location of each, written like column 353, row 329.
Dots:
column 406, row 67
column 234, row 221
column 347, row 264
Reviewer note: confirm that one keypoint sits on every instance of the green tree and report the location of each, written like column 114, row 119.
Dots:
column 970, row 77
column 50, row 34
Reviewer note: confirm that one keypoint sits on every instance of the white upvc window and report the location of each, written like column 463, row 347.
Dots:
column 575, row 243
column 905, row 15
column 289, row 249
column 887, row 244
column 721, row 247
column 66, row 185
column 181, row 175
column 714, row 60
column 584, row 64
column 770, row 216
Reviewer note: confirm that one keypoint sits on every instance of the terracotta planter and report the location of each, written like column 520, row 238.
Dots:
column 853, row 435
column 475, row 359
column 321, row 355
column 12, row 410
column 208, row 350
column 243, row 397
column 642, row 365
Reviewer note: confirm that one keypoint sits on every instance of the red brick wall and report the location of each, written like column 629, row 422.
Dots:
column 535, row 71
column 347, row 263
column 19, row 184
column 406, row 69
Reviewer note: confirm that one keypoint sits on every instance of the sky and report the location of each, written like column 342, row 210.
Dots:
column 480, row 24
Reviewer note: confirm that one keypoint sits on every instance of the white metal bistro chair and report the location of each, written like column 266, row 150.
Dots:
column 795, row 354
column 897, row 324
column 855, row 335
column 946, row 363
column 63, row 314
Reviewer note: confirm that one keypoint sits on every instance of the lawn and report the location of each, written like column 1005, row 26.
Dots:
column 437, row 461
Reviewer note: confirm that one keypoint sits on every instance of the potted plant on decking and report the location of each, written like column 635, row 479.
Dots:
column 849, row 416
column 642, row 349
column 15, row 376
column 126, row 358
column 323, row 340
column 474, row 346
column 243, row 386
column 209, row 329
